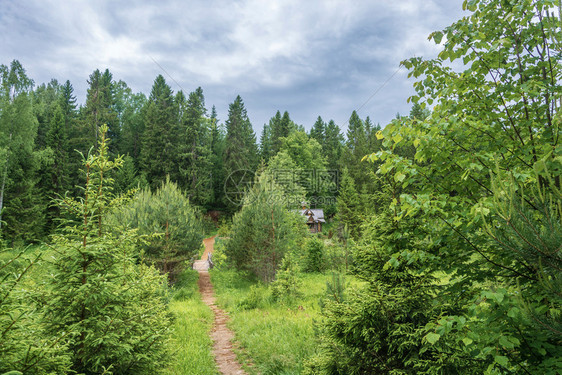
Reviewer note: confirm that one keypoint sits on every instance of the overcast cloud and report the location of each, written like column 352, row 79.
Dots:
column 307, row 57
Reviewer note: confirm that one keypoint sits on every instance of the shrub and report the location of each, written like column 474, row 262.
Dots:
column 287, row 282
column 168, row 213
column 253, row 299
column 315, row 256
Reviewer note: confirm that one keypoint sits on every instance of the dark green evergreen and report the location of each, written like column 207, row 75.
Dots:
column 161, row 135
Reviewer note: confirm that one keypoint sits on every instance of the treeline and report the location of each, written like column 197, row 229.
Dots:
column 163, row 135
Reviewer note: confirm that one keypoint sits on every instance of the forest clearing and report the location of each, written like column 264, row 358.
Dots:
column 141, row 234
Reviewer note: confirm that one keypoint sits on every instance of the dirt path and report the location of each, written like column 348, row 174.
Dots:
column 222, row 336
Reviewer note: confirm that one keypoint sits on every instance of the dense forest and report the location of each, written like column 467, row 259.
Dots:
column 440, row 251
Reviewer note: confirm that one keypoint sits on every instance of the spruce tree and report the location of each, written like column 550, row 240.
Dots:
column 217, row 158
column 195, row 150
column 318, row 131
column 111, row 309
column 159, row 143
column 129, row 107
column 241, row 152
column 349, row 211
column 24, row 344
column 45, row 99
column 281, row 127
column 99, row 107
column 333, row 145
column 265, row 143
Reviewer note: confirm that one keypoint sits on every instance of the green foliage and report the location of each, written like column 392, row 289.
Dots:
column 24, row 343
column 287, row 284
column 99, row 109
column 161, row 135
column 21, row 206
column 253, row 299
column 277, row 336
column 335, row 289
column 195, row 150
column 315, row 255
column 193, row 320
column 169, row 218
column 490, row 241
column 263, row 231
column 349, row 213
column 381, row 329
column 110, row 309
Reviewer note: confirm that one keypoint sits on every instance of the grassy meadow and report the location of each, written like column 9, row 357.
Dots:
column 276, row 336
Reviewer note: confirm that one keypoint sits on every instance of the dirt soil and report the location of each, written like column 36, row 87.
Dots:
column 222, row 336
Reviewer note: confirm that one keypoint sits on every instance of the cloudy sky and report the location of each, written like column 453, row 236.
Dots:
column 307, row 57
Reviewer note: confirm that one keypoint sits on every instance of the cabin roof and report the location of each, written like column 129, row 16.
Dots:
column 316, row 214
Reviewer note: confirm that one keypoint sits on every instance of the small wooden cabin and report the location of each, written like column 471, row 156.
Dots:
column 315, row 218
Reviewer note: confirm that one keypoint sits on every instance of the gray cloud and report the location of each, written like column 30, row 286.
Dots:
column 310, row 58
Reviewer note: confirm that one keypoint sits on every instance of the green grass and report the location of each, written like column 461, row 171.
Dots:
column 192, row 344
column 193, row 321
column 277, row 337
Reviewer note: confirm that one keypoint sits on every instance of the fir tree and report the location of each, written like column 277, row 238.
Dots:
column 333, row 145
column 241, row 149
column 159, row 144
column 111, row 309
column 318, row 131
column 195, row 153
column 349, row 205
column 217, row 157
column 265, row 143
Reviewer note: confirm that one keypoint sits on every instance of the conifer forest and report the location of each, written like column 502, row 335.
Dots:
column 138, row 231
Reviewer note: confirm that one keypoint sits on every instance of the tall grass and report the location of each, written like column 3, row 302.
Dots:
column 193, row 321
column 277, row 337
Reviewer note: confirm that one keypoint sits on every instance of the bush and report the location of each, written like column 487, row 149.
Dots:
column 253, row 299
column 287, row 282
column 168, row 213
column 315, row 256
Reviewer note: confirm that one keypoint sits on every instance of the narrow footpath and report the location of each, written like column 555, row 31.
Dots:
column 222, row 336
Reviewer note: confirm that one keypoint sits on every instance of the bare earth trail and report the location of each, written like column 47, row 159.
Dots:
column 222, row 336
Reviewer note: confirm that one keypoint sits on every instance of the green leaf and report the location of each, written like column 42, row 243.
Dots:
column 432, row 337
column 467, row 341
column 504, row 341
column 501, row 360
column 513, row 312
